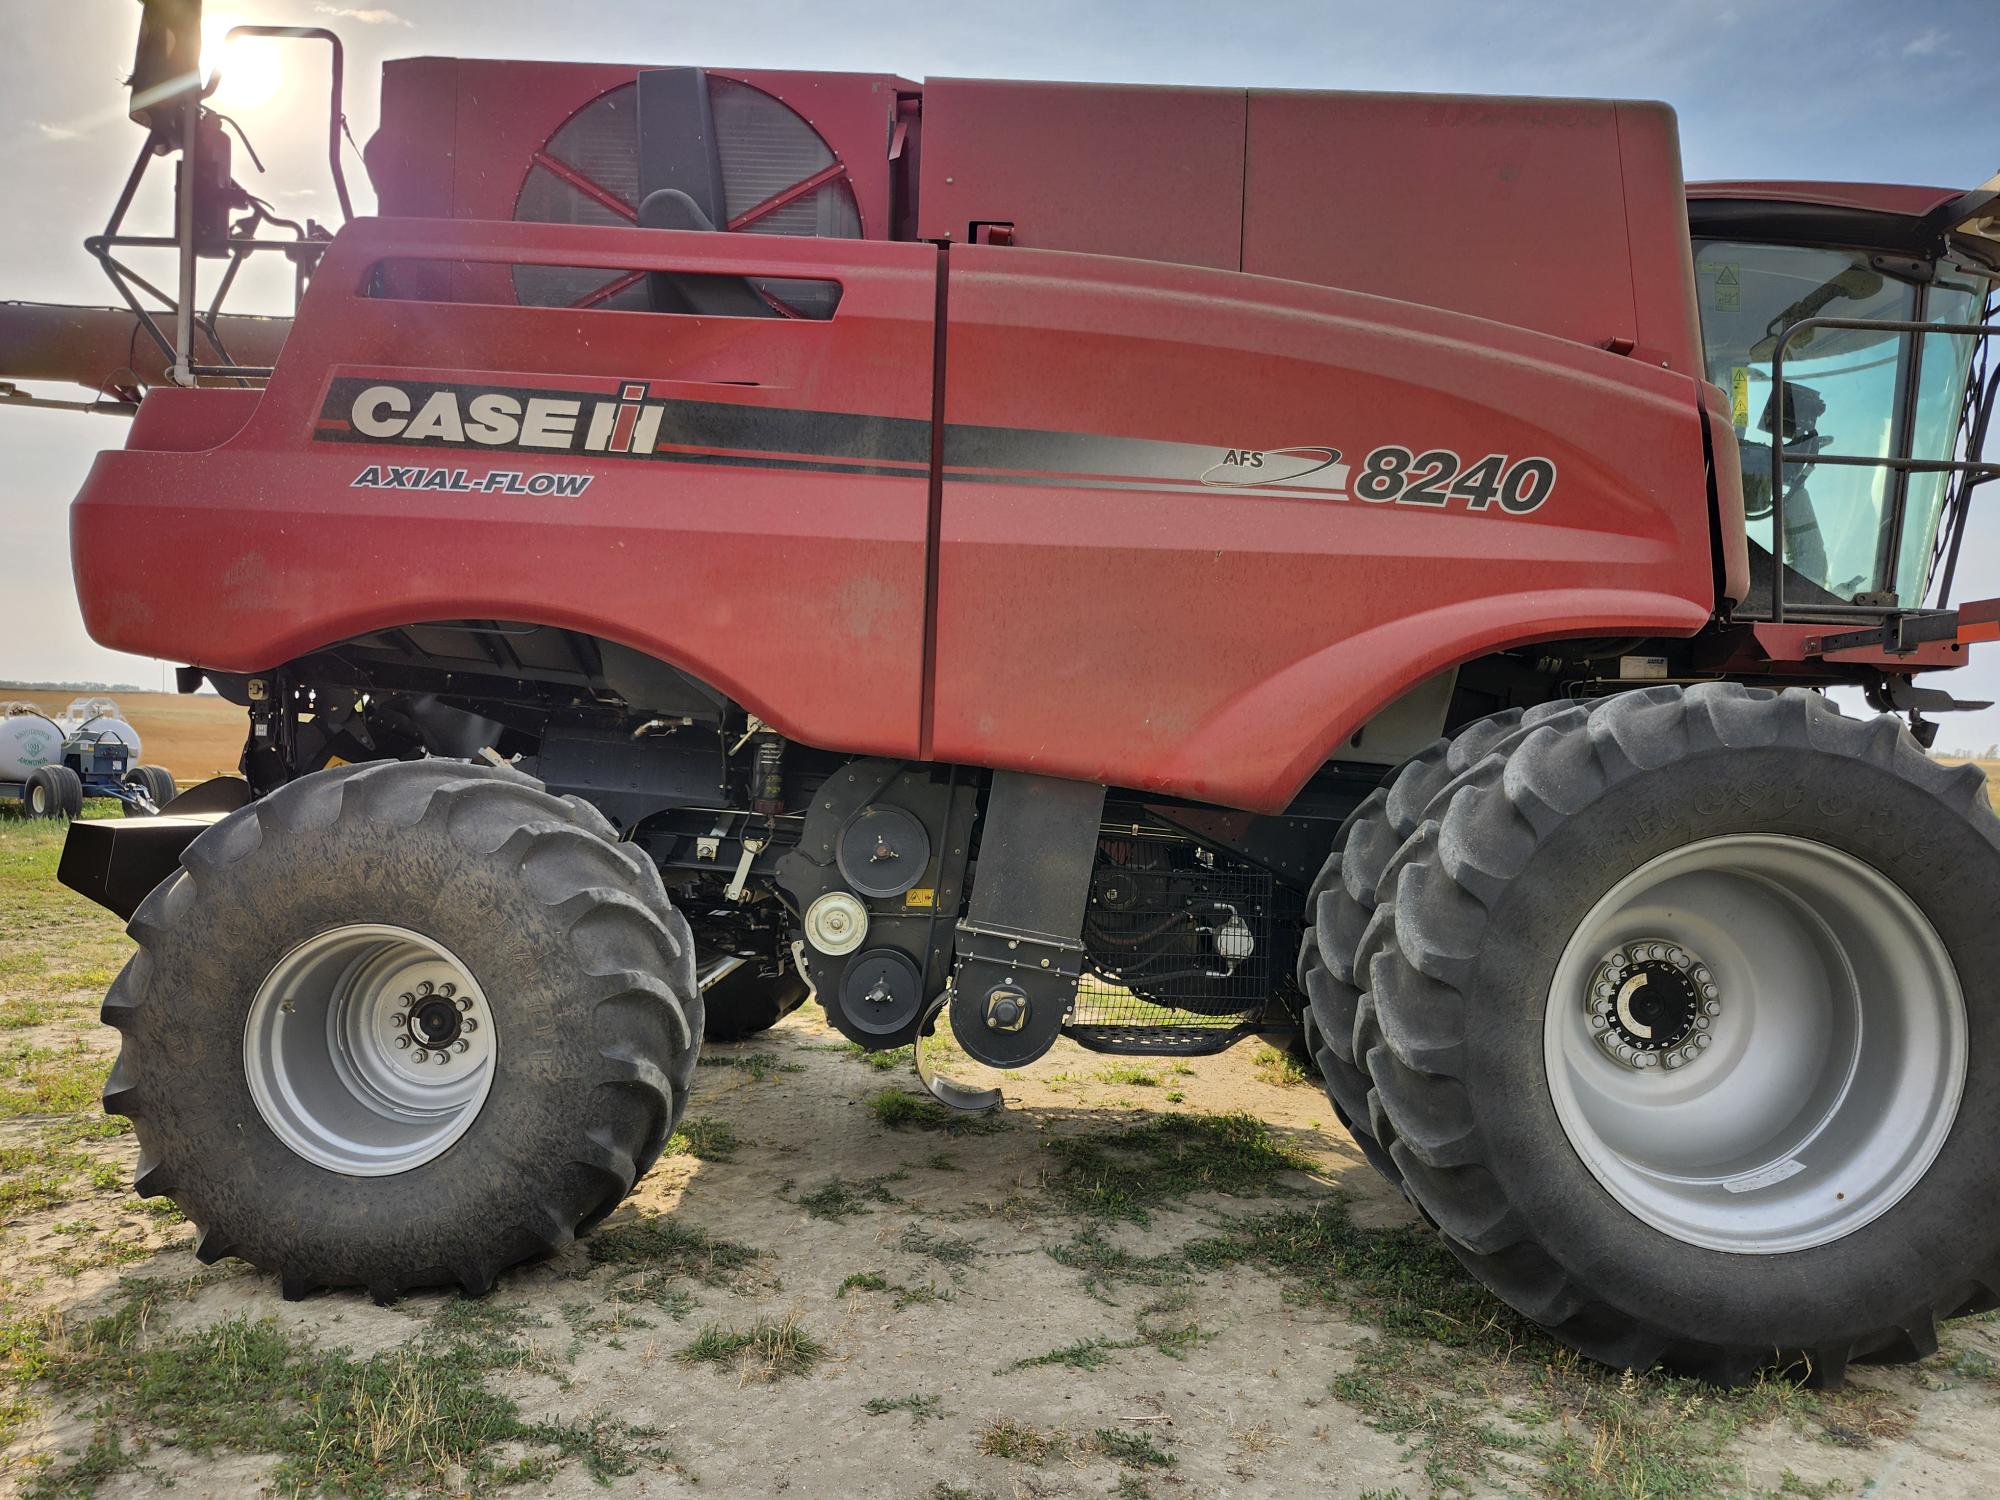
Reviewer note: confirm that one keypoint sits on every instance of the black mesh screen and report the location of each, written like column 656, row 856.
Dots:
column 764, row 148
column 1183, row 947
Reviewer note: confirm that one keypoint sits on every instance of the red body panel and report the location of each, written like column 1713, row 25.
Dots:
column 1564, row 216
column 1218, row 643
column 1155, row 563
column 802, row 595
column 1110, row 617
column 1152, row 173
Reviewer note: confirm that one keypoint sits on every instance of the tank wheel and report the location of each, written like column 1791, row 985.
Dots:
column 157, row 782
column 53, row 792
column 1685, row 1042
column 750, row 998
column 403, row 1025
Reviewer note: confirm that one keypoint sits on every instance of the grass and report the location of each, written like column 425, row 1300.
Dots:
column 904, row 1111
column 1084, row 1354
column 1282, row 1069
column 951, row 1253
column 422, row 1416
column 37, row 1080
column 759, row 1065
column 1105, row 1266
column 1020, row 1442
column 652, row 1259
column 921, row 1408
column 1131, row 1449
column 1023, row 1443
column 704, row 1139
column 1447, row 1357
column 839, row 1199
column 888, row 1060
column 903, row 1296
column 1131, row 1075
column 769, row 1350
column 947, row 1250
column 1124, row 1174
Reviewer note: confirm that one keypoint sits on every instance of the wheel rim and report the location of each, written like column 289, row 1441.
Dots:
column 38, row 800
column 369, row 1049
column 1835, row 1050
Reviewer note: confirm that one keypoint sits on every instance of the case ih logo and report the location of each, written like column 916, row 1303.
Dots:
column 468, row 420
column 468, row 417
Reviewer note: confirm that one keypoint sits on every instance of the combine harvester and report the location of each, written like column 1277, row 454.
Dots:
column 1155, row 566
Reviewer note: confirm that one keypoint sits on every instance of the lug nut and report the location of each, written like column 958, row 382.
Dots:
column 402, row 1041
column 421, row 1056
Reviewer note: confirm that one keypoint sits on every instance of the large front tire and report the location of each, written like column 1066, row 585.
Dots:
column 1812, row 1184
column 317, row 942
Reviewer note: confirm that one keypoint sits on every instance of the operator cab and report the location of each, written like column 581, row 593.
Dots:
column 1864, row 525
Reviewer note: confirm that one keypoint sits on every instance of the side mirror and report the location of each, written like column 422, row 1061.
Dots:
column 167, row 66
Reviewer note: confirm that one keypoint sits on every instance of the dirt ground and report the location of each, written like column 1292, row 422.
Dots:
column 1142, row 1278
column 195, row 736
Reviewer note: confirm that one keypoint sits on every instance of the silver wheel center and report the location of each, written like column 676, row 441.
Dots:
column 369, row 1049
column 1756, row 1043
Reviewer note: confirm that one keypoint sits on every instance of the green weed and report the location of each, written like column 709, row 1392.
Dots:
column 1282, row 1069
column 420, row 1416
column 1130, row 1074
column 759, row 1065
column 1131, row 1449
column 704, row 1139
column 1018, row 1442
column 769, row 1350
column 920, row 1408
column 838, row 1199
column 1124, row 1174
column 903, row 1111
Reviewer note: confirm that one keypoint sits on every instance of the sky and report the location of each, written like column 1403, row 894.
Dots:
column 1838, row 89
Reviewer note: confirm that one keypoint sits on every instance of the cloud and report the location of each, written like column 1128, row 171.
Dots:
column 1926, row 43
column 367, row 15
column 58, row 132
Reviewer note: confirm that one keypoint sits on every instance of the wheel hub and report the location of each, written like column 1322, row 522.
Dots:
column 369, row 1050
column 434, row 1022
column 1653, row 1004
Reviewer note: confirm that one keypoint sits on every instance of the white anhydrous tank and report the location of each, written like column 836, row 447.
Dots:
column 110, row 727
column 28, row 741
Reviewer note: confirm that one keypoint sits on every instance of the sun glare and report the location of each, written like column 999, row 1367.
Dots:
column 252, row 68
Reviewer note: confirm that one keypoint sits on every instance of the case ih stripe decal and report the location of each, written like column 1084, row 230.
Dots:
column 462, row 420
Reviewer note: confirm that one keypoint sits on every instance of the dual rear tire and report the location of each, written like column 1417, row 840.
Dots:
column 1672, row 1014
